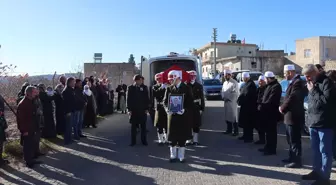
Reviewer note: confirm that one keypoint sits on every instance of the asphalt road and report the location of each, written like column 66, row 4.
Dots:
column 104, row 158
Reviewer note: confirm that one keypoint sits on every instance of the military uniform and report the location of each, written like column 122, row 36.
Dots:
column 195, row 113
column 178, row 125
column 160, row 119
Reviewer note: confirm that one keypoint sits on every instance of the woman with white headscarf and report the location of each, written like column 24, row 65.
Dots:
column 90, row 110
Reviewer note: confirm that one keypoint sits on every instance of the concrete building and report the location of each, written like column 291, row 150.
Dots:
column 114, row 71
column 223, row 50
column 316, row 50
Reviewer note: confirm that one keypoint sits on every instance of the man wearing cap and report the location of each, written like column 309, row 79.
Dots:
column 270, row 109
column 247, row 101
column 260, row 123
column 229, row 95
column 294, row 115
column 198, row 95
column 138, row 105
column 160, row 118
column 178, row 125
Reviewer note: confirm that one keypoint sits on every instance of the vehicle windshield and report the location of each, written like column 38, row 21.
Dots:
column 210, row 82
column 254, row 76
column 162, row 65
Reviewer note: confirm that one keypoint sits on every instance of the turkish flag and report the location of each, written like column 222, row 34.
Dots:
column 185, row 75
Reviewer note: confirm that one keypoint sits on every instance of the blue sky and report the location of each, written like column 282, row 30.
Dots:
column 43, row 36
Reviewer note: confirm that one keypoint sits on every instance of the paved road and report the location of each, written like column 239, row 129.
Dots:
column 105, row 158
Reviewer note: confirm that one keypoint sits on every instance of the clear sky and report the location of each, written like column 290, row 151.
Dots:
column 43, row 36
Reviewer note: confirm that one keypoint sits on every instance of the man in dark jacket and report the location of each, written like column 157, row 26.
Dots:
column 321, row 118
column 247, row 101
column 26, row 118
column 270, row 110
column 260, row 123
column 69, row 108
column 294, row 115
column 3, row 127
column 138, row 105
column 80, row 106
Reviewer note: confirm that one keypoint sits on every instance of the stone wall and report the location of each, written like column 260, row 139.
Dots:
column 114, row 71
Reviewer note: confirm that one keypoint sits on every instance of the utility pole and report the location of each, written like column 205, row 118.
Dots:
column 214, row 36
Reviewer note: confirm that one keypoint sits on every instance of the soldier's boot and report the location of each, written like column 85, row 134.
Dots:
column 161, row 140
column 189, row 142
column 195, row 139
column 173, row 151
column 165, row 138
column 181, row 152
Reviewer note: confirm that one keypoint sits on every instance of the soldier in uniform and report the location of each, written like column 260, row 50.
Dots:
column 160, row 120
column 138, row 105
column 198, row 95
column 178, row 126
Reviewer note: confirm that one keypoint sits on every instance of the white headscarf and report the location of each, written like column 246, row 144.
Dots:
column 87, row 90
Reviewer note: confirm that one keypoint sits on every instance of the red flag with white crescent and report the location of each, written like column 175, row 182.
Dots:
column 185, row 75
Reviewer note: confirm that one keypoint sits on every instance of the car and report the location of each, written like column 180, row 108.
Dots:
column 284, row 85
column 212, row 88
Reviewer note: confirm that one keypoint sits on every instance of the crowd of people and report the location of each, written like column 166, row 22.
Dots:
column 46, row 112
column 262, row 107
column 74, row 104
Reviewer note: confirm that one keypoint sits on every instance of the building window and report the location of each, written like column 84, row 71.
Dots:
column 212, row 54
column 307, row 53
column 206, row 55
column 253, row 65
column 326, row 52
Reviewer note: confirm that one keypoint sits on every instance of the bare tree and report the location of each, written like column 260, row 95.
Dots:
column 77, row 70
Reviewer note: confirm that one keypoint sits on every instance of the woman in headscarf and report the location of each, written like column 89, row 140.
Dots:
column 47, row 96
column 59, row 106
column 90, row 110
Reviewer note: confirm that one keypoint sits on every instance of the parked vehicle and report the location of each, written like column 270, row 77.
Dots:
column 284, row 85
column 212, row 88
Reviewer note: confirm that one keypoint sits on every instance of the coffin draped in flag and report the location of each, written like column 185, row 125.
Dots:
column 185, row 75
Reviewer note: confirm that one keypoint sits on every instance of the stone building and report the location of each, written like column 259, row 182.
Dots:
column 115, row 72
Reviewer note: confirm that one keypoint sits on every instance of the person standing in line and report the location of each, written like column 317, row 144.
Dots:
column 121, row 90
column 270, row 110
column 26, row 118
column 81, row 103
column 248, row 107
column 69, row 98
column 138, row 105
column 178, row 126
column 294, row 115
column 160, row 119
column 90, row 110
column 199, row 105
column 3, row 127
column 230, row 95
column 321, row 118
column 260, row 124
column 59, row 105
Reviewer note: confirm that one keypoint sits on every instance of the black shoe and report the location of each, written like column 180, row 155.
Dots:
column 161, row 144
column 259, row 142
column 77, row 138
column 172, row 160
column 248, row 141
column 241, row 138
column 3, row 162
column 30, row 165
column 182, row 161
column 287, row 160
column 38, row 162
column 38, row 155
column 261, row 149
column 195, row 143
column 145, row 143
column 94, row 126
column 227, row 132
column 311, row 176
column 294, row 165
column 267, row 153
column 132, row 144
column 82, row 136
column 321, row 182
column 235, row 134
